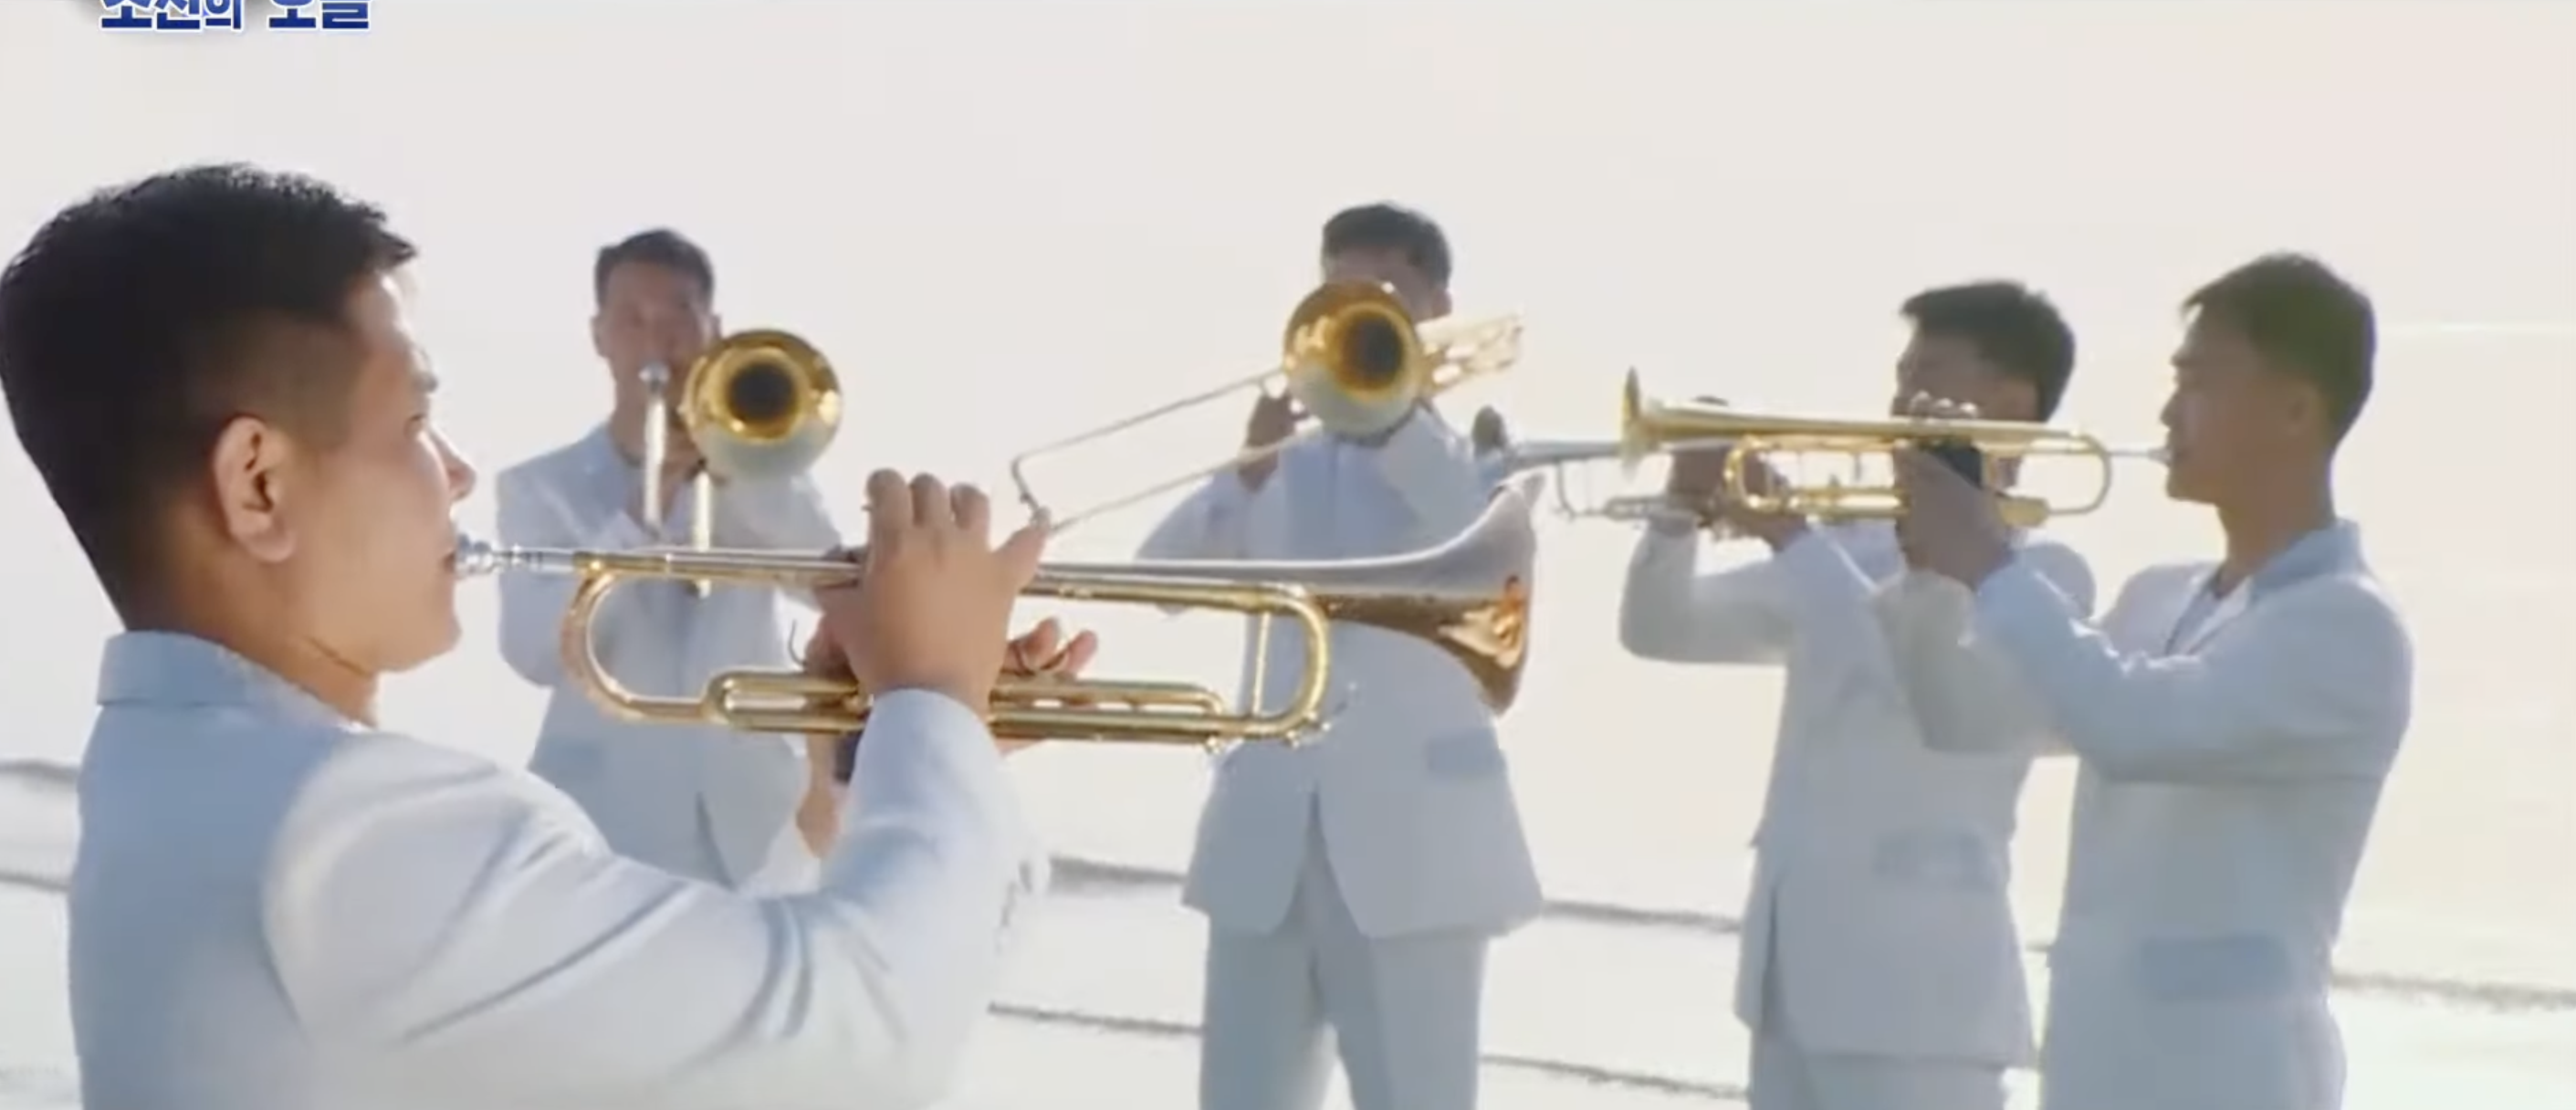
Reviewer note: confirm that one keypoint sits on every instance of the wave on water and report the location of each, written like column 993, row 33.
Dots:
column 42, row 866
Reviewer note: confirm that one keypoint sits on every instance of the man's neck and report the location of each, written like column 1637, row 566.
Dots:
column 2264, row 523
column 302, row 661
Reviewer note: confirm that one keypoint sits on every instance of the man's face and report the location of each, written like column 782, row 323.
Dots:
column 651, row 314
column 357, row 534
column 1387, row 266
column 1952, row 368
column 2229, row 416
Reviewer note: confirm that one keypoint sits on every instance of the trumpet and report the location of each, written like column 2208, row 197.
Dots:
column 1468, row 597
column 1352, row 358
column 1996, row 447
column 757, row 404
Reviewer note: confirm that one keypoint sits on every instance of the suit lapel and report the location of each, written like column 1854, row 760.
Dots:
column 2327, row 550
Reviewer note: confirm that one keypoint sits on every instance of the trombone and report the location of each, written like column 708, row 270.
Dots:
column 1353, row 359
column 757, row 404
column 1468, row 597
column 1650, row 427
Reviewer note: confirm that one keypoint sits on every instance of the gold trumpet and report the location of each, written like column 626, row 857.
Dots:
column 1354, row 360
column 757, row 404
column 1469, row 597
column 1651, row 427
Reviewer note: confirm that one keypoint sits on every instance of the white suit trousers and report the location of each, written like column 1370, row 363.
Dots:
column 1404, row 1011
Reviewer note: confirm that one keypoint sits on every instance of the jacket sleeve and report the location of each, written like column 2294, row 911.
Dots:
column 461, row 929
column 534, row 511
column 1967, row 698
column 1211, row 523
column 2317, row 684
column 1671, row 612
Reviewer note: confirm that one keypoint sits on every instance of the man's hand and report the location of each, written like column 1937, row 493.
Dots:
column 1696, row 475
column 932, row 612
column 1274, row 418
column 1951, row 526
column 1775, row 529
column 1042, row 655
column 1489, row 436
column 1697, row 480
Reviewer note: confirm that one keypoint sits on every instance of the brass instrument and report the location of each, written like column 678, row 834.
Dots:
column 1469, row 597
column 1354, row 361
column 1640, row 437
column 1649, row 427
column 758, row 404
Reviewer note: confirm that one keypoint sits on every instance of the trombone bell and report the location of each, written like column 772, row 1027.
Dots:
column 761, row 404
column 1352, row 358
column 1469, row 597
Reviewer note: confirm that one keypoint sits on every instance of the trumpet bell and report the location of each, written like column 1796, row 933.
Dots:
column 762, row 404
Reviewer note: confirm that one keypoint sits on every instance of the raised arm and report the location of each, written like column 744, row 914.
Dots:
column 2317, row 684
column 1965, row 697
column 1751, row 613
column 462, row 928
column 534, row 511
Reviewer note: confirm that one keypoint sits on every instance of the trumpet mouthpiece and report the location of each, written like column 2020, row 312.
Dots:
column 476, row 558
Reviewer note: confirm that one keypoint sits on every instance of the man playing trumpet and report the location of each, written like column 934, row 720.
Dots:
column 280, row 904
column 1353, row 883
column 2235, row 719
column 702, row 801
column 1879, row 967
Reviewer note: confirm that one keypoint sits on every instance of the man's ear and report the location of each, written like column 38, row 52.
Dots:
column 248, row 469
column 1438, row 302
column 2014, row 396
column 599, row 335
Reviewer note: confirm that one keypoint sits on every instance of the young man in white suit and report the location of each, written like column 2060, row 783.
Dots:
column 1879, row 967
column 703, row 802
column 279, row 904
column 1354, row 883
column 2235, row 720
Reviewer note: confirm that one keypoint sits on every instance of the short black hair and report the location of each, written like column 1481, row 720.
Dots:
column 143, row 319
column 2011, row 324
column 2306, row 320
column 659, row 247
column 1391, row 227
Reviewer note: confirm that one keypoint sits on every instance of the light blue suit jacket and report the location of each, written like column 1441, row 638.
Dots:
column 277, row 908
column 706, row 802
column 1410, row 780
column 1880, row 915
column 2233, row 753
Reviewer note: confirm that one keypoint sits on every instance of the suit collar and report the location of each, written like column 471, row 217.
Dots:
column 172, row 670
column 2328, row 550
